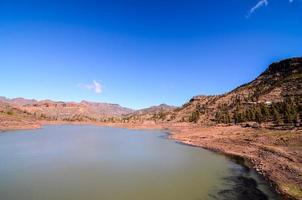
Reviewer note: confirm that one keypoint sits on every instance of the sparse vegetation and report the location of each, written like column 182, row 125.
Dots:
column 194, row 116
column 287, row 112
column 9, row 112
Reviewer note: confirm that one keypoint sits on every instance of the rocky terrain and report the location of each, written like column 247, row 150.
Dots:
column 15, row 118
column 273, row 99
column 66, row 111
column 154, row 110
column 152, row 113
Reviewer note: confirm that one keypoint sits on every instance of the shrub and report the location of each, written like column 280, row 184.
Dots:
column 194, row 117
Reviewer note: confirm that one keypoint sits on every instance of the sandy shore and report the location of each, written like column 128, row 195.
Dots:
column 276, row 155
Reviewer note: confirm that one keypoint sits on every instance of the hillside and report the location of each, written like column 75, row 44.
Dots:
column 275, row 96
column 17, row 101
column 154, row 109
column 152, row 113
column 14, row 118
column 69, row 111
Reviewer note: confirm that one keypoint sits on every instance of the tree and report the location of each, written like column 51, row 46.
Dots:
column 10, row 112
column 161, row 115
column 290, row 111
column 265, row 113
column 276, row 116
column 194, row 117
column 288, row 118
column 227, row 118
column 251, row 114
column 218, row 117
column 258, row 116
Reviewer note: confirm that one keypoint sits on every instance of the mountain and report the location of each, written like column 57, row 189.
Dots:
column 152, row 113
column 58, row 110
column 275, row 93
column 280, row 80
column 275, row 96
column 17, row 101
column 154, row 109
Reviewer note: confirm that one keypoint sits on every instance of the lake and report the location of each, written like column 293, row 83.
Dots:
column 79, row 162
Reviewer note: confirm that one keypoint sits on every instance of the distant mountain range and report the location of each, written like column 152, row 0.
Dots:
column 59, row 110
column 18, row 101
column 85, row 110
column 154, row 110
column 273, row 97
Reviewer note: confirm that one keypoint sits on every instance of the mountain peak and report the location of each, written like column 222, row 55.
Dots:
column 285, row 67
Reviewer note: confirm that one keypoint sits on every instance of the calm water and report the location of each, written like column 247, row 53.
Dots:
column 97, row 163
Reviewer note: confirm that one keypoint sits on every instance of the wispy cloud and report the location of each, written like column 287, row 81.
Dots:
column 260, row 4
column 94, row 86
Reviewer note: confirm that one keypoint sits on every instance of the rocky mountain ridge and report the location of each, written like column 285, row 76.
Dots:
column 154, row 110
column 72, row 111
column 275, row 96
column 59, row 110
column 279, row 84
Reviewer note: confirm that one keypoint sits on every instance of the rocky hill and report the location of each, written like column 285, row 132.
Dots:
column 152, row 113
column 275, row 96
column 15, row 118
column 70, row 111
column 18, row 101
column 154, row 110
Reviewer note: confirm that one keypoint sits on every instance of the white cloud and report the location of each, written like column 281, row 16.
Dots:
column 257, row 6
column 260, row 4
column 94, row 86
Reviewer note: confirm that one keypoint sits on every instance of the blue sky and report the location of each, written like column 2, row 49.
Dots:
column 141, row 53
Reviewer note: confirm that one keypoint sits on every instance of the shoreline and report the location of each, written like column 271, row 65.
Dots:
column 279, row 165
column 282, row 171
column 252, row 160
